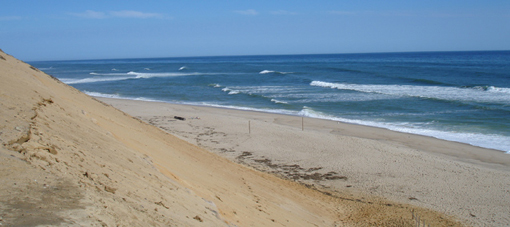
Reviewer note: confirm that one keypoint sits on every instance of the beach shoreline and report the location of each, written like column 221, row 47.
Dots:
column 457, row 179
column 458, row 150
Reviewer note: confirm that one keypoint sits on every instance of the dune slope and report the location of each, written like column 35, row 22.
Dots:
column 68, row 159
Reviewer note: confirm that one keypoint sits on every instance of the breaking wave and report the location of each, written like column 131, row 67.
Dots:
column 271, row 71
column 93, row 80
column 108, row 77
column 230, row 91
column 278, row 101
column 474, row 94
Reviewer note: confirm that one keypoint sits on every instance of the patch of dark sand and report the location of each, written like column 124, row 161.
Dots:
column 34, row 196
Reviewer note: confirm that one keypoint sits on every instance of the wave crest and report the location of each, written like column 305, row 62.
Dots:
column 92, row 80
column 230, row 91
column 278, row 101
column 106, row 77
column 433, row 92
column 494, row 89
column 271, row 71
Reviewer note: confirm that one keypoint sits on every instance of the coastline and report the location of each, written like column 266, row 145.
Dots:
column 468, row 182
column 453, row 149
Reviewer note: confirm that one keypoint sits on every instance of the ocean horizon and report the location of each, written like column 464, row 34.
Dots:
column 457, row 96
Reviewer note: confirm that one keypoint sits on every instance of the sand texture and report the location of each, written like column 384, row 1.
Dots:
column 69, row 160
column 467, row 182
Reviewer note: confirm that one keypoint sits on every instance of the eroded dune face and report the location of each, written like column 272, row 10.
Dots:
column 59, row 165
column 67, row 159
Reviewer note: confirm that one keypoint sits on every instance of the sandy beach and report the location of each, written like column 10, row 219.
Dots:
column 67, row 159
column 463, row 181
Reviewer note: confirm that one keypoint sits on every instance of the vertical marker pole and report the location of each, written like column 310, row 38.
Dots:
column 302, row 124
column 249, row 127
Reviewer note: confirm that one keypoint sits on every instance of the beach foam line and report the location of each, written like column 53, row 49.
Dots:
column 117, row 96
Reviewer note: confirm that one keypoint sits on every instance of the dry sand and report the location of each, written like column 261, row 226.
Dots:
column 69, row 160
column 470, row 183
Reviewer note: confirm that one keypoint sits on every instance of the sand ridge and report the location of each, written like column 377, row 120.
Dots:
column 67, row 159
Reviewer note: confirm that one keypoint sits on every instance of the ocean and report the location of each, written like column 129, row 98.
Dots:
column 456, row 96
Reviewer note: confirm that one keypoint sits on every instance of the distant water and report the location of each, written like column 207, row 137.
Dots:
column 457, row 96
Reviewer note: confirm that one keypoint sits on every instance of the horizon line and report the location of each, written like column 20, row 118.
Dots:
column 261, row 55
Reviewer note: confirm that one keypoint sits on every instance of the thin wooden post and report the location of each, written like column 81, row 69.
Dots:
column 249, row 127
column 302, row 124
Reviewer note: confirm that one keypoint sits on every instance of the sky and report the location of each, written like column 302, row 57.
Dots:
column 75, row 29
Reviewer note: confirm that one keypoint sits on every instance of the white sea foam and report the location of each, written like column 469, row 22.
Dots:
column 92, row 80
column 301, row 95
column 102, row 95
column 334, row 97
column 266, row 71
column 498, row 89
column 265, row 89
column 271, row 71
column 107, row 74
column 435, row 92
column 182, row 68
column 278, row 101
column 166, row 74
column 230, row 91
column 103, row 77
column 117, row 96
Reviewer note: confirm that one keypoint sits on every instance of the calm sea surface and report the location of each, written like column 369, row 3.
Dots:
column 457, row 96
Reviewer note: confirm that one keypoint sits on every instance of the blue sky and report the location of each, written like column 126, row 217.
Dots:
column 75, row 29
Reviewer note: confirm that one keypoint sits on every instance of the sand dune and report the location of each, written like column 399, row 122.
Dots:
column 67, row 159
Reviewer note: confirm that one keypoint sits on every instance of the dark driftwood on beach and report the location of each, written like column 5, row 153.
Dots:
column 180, row 118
